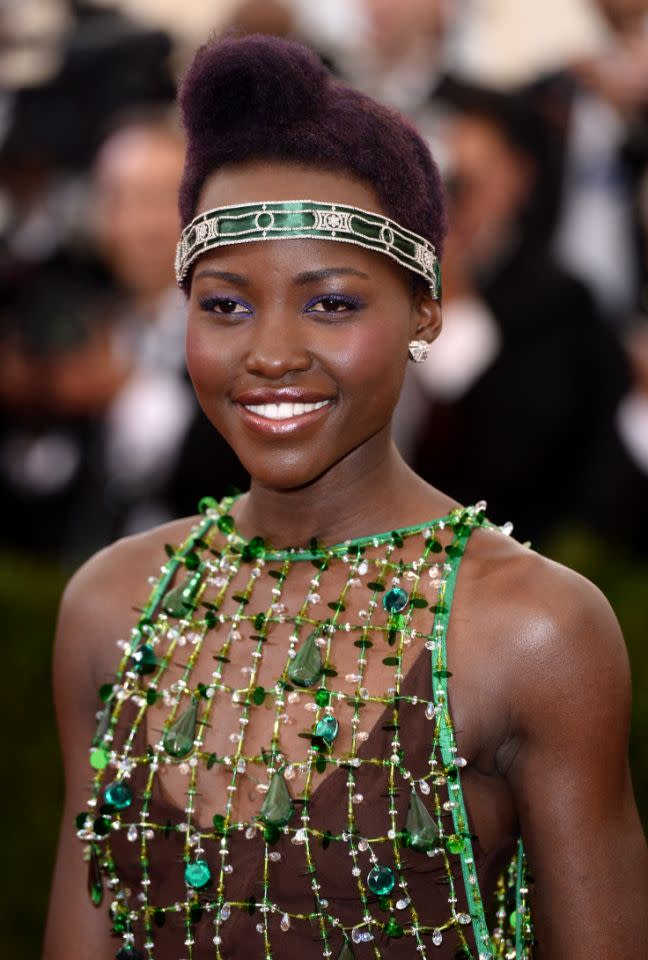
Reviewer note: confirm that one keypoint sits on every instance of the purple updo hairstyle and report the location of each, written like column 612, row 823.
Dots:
column 261, row 97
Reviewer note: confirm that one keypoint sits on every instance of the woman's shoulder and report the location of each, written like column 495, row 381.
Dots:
column 542, row 621
column 101, row 600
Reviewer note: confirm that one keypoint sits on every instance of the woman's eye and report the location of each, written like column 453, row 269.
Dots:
column 224, row 305
column 332, row 304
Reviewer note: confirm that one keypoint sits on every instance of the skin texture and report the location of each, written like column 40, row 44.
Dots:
column 540, row 689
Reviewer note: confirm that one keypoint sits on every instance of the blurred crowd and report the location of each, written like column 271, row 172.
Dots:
column 535, row 397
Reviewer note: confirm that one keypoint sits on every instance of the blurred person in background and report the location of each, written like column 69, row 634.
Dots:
column 525, row 378
column 154, row 424
column 599, row 106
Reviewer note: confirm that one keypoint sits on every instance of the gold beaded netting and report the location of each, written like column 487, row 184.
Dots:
column 276, row 773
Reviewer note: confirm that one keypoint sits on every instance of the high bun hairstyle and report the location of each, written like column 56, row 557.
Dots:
column 260, row 97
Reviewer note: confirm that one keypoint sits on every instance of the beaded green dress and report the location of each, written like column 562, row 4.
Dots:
column 276, row 772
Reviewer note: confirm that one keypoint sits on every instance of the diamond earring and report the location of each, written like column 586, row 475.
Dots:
column 418, row 350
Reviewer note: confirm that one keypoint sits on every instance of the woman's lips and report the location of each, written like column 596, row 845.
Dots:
column 285, row 416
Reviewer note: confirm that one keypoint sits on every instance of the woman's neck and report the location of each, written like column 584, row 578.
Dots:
column 370, row 490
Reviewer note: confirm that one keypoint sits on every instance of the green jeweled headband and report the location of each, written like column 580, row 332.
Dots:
column 308, row 219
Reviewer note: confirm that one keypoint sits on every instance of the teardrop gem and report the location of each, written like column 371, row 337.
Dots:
column 395, row 600
column 346, row 953
column 119, row 795
column 326, row 730
column 95, row 880
column 178, row 602
column 306, row 667
column 277, row 808
column 103, row 723
column 381, row 880
column 144, row 659
column 179, row 739
column 420, row 826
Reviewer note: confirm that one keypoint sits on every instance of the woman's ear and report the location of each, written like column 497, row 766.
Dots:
column 425, row 318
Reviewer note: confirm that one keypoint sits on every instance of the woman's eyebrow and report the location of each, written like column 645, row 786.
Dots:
column 311, row 276
column 223, row 275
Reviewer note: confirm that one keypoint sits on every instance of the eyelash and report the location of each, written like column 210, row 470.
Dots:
column 349, row 303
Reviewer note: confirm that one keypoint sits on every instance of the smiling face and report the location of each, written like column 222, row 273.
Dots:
column 297, row 348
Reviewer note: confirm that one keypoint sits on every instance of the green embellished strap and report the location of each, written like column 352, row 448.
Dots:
column 307, row 219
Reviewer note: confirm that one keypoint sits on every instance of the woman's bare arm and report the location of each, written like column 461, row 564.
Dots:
column 567, row 765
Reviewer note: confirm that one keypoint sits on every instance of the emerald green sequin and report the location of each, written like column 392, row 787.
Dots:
column 197, row 874
column 381, row 880
column 119, row 795
column 178, row 741
column 306, row 667
column 326, row 729
column 421, row 828
column 277, row 808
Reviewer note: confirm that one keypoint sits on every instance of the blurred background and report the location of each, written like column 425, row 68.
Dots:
column 534, row 398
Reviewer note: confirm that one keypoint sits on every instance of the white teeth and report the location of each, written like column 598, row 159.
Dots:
column 283, row 411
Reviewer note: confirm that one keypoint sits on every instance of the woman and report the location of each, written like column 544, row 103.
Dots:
column 276, row 767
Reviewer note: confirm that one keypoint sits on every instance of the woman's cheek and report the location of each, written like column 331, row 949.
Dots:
column 372, row 357
column 203, row 359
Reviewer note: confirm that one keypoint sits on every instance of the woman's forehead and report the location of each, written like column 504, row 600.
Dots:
column 259, row 181
column 293, row 259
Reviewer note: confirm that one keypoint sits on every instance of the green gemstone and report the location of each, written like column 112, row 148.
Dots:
column 381, row 880
column 106, row 692
column 258, row 695
column 306, row 667
column 99, row 758
column 393, row 928
column 119, row 795
column 256, row 547
column 322, row 697
column 277, row 808
column 219, row 822
column 144, row 659
column 395, row 600
column 455, row 843
column 346, row 953
column 206, row 503
column 102, row 826
column 420, row 826
column 178, row 601
column 225, row 523
column 95, row 881
column 197, row 874
column 178, row 741
column 326, row 729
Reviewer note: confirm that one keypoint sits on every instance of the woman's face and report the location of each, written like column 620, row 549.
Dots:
column 297, row 348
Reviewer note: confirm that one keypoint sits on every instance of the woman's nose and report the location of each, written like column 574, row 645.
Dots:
column 277, row 347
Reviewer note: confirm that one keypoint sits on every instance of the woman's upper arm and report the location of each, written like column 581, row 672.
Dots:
column 569, row 773
column 75, row 928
